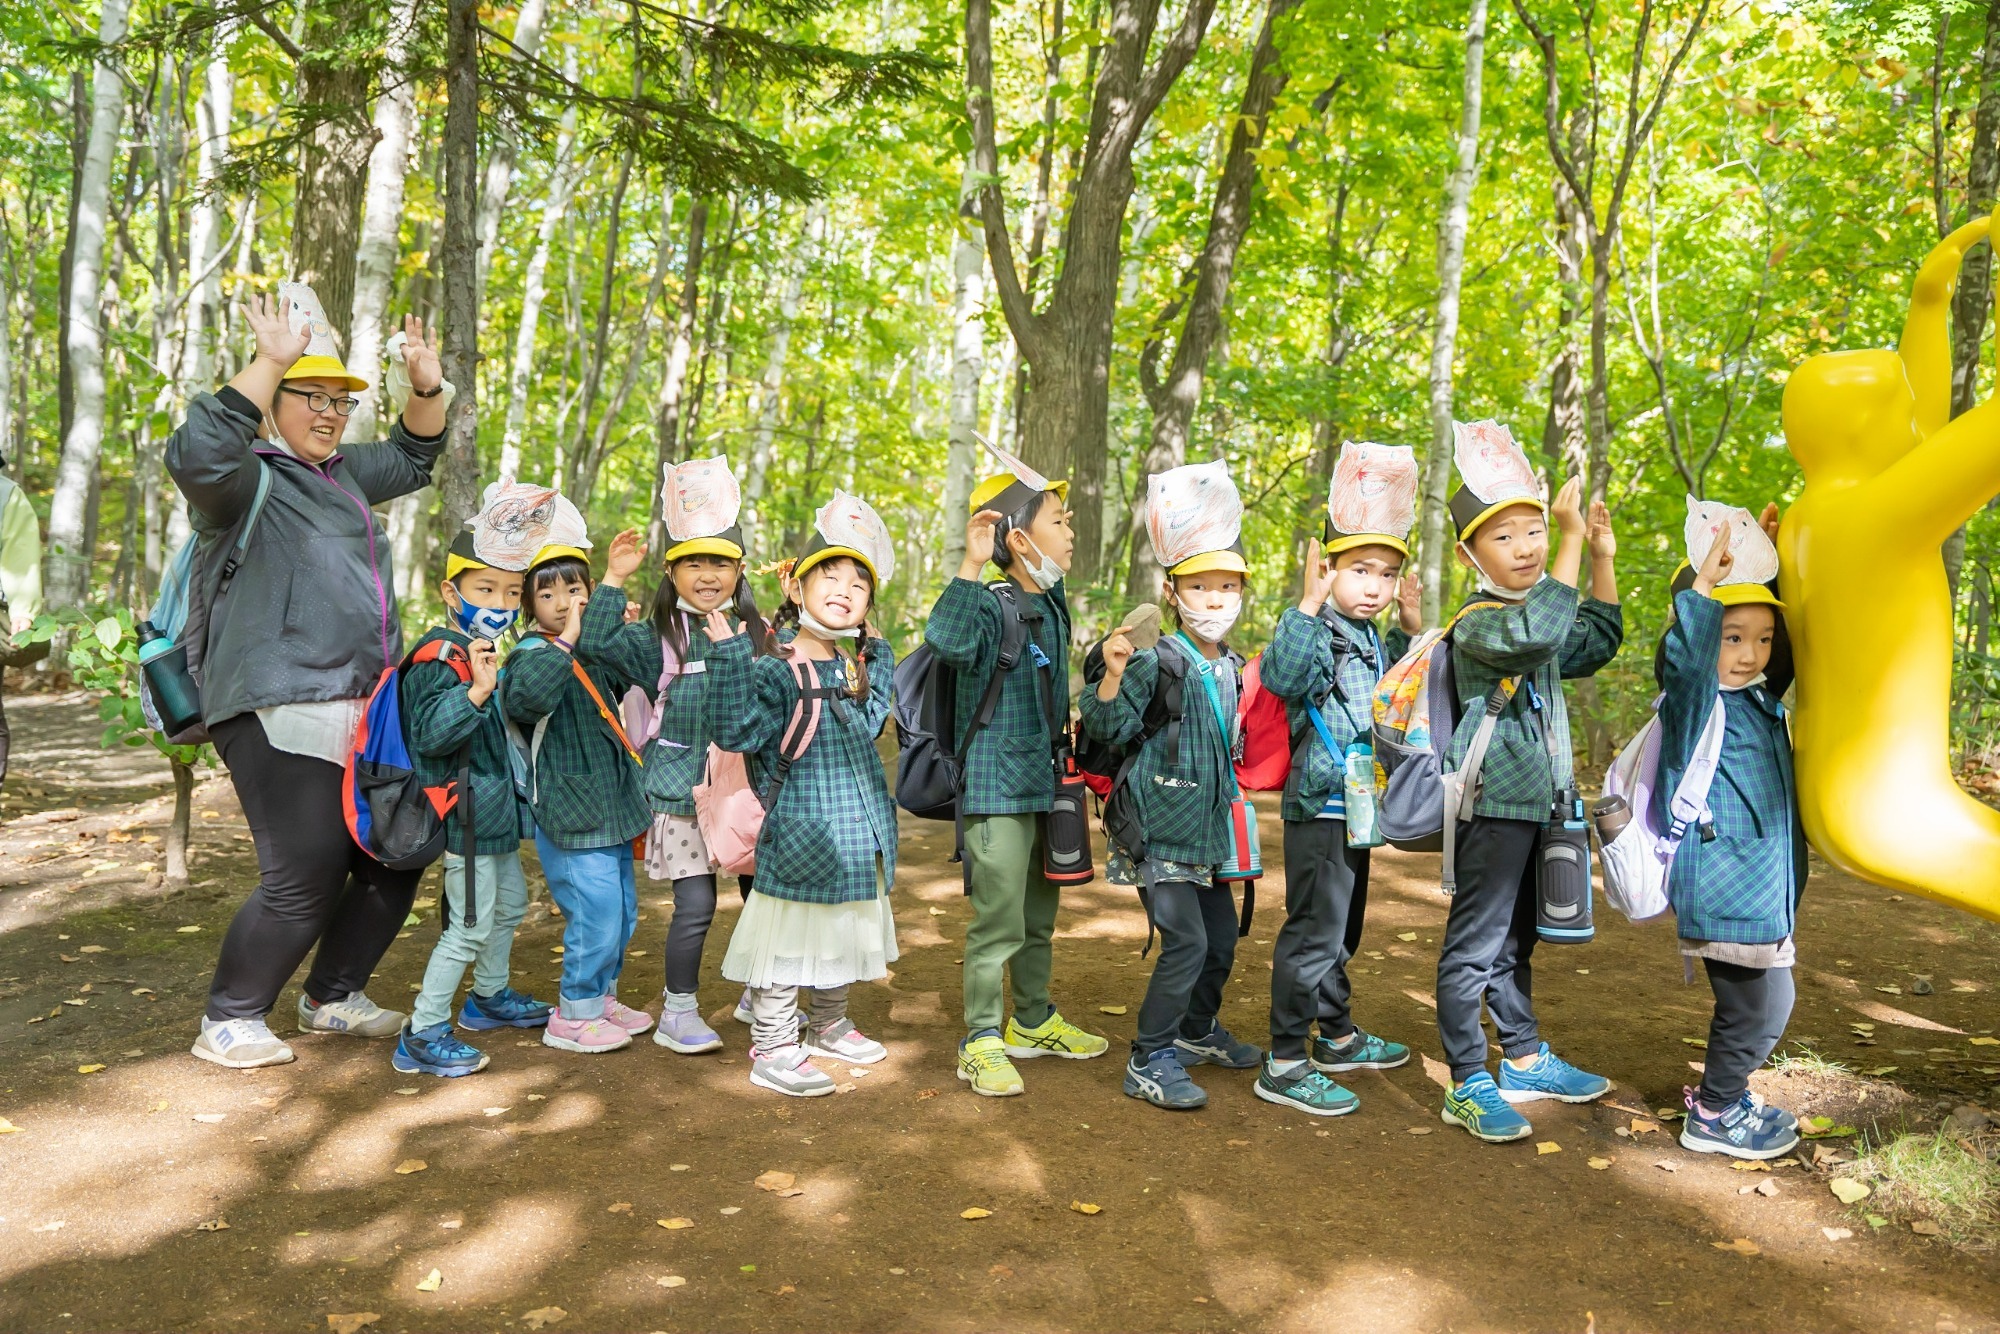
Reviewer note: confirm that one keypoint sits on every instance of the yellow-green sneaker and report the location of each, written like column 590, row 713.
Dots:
column 983, row 1063
column 1054, row 1036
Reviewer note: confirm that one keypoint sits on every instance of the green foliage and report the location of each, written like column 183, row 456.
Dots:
column 103, row 656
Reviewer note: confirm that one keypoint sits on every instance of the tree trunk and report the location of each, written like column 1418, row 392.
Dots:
column 771, row 391
column 1174, row 401
column 177, row 829
column 968, row 364
column 215, row 112
column 10, row 457
column 593, row 372
column 68, row 574
column 381, row 226
column 333, row 168
column 1433, row 519
column 534, row 284
column 591, row 462
column 459, row 484
column 1970, row 304
column 1565, row 435
column 500, row 162
column 667, row 421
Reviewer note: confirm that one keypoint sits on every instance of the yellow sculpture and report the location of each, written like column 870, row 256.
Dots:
column 1887, row 479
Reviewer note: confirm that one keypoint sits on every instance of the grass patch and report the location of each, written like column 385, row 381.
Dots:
column 1937, row 1178
column 1804, row 1060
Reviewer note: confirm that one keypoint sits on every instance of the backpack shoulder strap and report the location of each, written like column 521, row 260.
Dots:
column 248, row 526
column 1169, row 703
column 1689, row 805
column 446, row 652
column 1013, row 638
column 802, row 727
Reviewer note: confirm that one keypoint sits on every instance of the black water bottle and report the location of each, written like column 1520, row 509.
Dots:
column 1562, row 875
column 175, row 696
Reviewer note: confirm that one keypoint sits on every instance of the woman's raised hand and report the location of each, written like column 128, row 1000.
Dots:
column 420, row 357
column 277, row 342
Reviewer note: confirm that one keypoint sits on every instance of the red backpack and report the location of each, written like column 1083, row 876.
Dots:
column 1267, row 734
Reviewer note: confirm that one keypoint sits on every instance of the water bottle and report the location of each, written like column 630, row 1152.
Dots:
column 1364, row 827
column 1562, row 875
column 175, row 696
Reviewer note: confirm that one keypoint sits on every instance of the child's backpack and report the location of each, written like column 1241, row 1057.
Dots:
column 1416, row 715
column 930, row 775
column 728, row 809
column 1266, row 729
column 1638, row 855
column 390, row 814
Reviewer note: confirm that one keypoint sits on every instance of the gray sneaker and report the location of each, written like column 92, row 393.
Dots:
column 240, row 1044
column 788, row 1071
column 842, row 1041
column 355, row 1015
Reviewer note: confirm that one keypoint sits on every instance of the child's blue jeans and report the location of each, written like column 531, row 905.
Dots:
column 487, row 945
column 600, row 905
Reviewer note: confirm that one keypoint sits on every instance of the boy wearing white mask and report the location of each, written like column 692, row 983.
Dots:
column 1183, row 782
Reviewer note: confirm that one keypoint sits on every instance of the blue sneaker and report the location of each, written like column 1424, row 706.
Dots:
column 1550, row 1077
column 1306, row 1089
column 505, row 1008
column 1218, row 1047
column 1362, row 1051
column 436, row 1051
column 1162, row 1081
column 1736, row 1132
column 1776, row 1116
column 1477, row 1105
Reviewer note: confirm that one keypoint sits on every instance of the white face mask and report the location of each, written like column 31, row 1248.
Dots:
column 1047, row 574
column 813, row 623
column 1491, row 589
column 1212, row 625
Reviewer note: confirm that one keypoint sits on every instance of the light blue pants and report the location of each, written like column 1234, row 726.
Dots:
column 487, row 945
column 600, row 906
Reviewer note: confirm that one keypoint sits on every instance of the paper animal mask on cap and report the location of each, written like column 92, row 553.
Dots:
column 702, row 498
column 516, row 520
column 1009, row 463
column 851, row 522
column 304, row 311
column 1756, row 558
column 1192, row 510
column 1374, row 489
column 1492, row 466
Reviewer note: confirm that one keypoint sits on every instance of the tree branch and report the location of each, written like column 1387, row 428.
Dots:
column 1545, row 42
column 277, row 36
column 1014, row 303
column 1174, row 56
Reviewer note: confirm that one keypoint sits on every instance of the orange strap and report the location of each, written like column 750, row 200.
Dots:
column 604, row 710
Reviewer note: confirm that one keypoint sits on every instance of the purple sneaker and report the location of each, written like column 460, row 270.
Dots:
column 685, row 1031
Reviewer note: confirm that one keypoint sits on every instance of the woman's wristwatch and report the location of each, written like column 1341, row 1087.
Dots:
column 432, row 392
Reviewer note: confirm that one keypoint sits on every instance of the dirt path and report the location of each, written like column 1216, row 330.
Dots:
column 546, row 1176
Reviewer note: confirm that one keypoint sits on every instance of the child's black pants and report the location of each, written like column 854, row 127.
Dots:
column 1326, row 896
column 1197, row 925
column 1488, row 940
column 1752, row 1006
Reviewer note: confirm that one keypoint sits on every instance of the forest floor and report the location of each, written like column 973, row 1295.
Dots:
column 545, row 1182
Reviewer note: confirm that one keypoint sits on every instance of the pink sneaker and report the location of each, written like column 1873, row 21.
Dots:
column 589, row 1036
column 627, row 1018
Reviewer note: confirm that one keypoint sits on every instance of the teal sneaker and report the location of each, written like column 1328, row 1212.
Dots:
column 1362, row 1051
column 1305, row 1088
column 1477, row 1105
column 1550, row 1076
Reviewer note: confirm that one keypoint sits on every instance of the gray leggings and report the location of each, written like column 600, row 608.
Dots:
column 1197, row 949
column 774, row 1014
column 1752, row 1006
column 687, row 931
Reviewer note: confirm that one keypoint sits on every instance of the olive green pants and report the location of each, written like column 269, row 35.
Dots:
column 1013, row 921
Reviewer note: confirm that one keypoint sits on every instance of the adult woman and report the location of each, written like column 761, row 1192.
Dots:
column 288, row 651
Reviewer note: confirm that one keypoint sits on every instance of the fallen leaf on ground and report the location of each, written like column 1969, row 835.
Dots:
column 1874, row 1220
column 264, row 1102
column 409, row 1165
column 89, row 1069
column 1837, row 1233
column 212, row 1225
column 937, row 912
column 926, row 1093
column 1111, row 1009
column 1766, row 1188
column 1000, row 1271
column 496, row 1111
column 1641, row 1126
column 186, row 930
column 91, row 949
column 1847, row 1190
column 1890, row 990
column 8, row 1127
column 775, row 1180
column 1881, row 1070
column 1078, row 1206
column 1406, row 935
column 729, row 1209
column 1597, row 1164
column 859, row 1072
column 1745, row 1165
column 452, row 1224
column 353, row 1323
column 1238, row 1143
column 1696, row 1042
column 210, row 1118
column 671, row 1281
column 677, row 1167
column 621, row 1207
column 898, row 1271
column 1984, row 1042
column 1667, row 1165
column 431, row 1282
column 1923, row 1227
column 1741, row 1245
column 1548, row 1146
column 542, row 1316
column 675, row 1224
column 57, row 1226
column 406, row 1092
column 1418, row 1130
column 975, row 1213
column 1822, row 1127
column 538, row 1097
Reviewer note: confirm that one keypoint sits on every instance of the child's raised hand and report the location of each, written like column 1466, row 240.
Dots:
column 485, row 665
column 627, row 552
column 1603, row 542
column 716, row 627
column 1117, row 652
column 1316, row 583
column 1769, row 520
column 1567, row 508
column 1716, row 564
column 573, row 622
column 1410, row 604
column 979, row 537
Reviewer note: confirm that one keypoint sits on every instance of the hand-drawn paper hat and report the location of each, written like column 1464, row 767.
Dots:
column 1493, row 474
column 1756, row 563
column 1195, row 519
column 1373, row 498
column 849, row 526
column 700, row 501
column 1009, row 491
column 567, row 535
column 513, row 524
column 322, row 359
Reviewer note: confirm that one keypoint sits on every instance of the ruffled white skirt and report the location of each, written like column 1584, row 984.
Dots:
column 780, row 943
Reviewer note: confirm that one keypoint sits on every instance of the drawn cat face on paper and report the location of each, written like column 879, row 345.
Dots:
column 1756, row 558
column 1374, row 489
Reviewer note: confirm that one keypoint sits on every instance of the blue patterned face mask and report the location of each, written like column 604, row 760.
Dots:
column 483, row 622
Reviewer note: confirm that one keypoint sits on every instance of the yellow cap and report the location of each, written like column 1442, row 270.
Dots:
column 704, row 546
column 455, row 565
column 1210, row 561
column 1340, row 542
column 555, row 552
column 1745, row 595
column 997, row 486
column 825, row 554
column 324, row 368
column 1466, row 531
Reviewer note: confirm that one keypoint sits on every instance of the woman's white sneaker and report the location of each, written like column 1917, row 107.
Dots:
column 240, row 1044
column 353, row 1014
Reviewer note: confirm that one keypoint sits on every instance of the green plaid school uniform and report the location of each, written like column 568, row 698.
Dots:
column 1182, row 800
column 438, row 710
column 1010, row 770
column 1547, row 638
column 1334, row 662
column 834, row 816
column 675, row 757
column 586, row 788
column 1740, row 880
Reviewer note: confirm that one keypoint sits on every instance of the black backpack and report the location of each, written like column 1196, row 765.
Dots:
column 930, row 775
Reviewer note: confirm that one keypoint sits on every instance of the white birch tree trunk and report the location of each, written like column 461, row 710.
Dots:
column 381, row 229
column 968, row 364
column 534, row 285
column 771, row 389
column 500, row 164
column 68, row 573
column 215, row 112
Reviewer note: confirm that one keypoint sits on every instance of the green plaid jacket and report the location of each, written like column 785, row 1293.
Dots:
column 1333, row 661
column 439, row 716
column 1742, row 886
column 1184, row 806
column 834, row 816
column 586, row 787
column 676, row 755
column 1550, row 637
column 1011, row 769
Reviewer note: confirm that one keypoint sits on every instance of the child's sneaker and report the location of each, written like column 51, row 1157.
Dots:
column 589, row 1036
column 1478, row 1106
column 686, row 1032
column 1162, row 1080
column 1305, row 1088
column 240, row 1044
column 1550, row 1076
column 1736, row 1131
column 842, row 1041
column 505, row 1008
column 1771, row 1113
column 788, row 1070
column 743, row 1015
column 1362, row 1051
column 983, row 1063
column 1219, row 1047
column 353, row 1014
column 436, row 1051
column 1054, row 1036
column 632, row 1021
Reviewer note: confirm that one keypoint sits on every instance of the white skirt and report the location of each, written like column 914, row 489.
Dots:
column 674, row 850
column 779, row 943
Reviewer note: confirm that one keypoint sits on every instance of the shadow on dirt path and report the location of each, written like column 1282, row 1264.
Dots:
column 544, row 1181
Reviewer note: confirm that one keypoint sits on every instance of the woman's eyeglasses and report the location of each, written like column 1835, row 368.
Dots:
column 319, row 400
